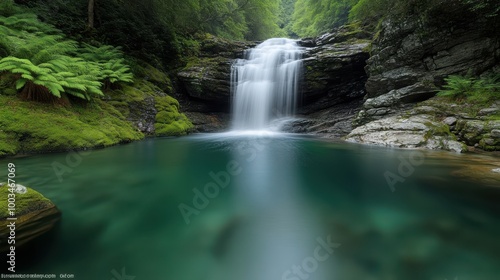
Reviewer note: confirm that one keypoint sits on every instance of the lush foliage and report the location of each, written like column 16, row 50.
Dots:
column 313, row 17
column 470, row 88
column 286, row 10
column 45, row 64
column 162, row 31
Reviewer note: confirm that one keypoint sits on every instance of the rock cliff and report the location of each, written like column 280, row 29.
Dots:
column 409, row 61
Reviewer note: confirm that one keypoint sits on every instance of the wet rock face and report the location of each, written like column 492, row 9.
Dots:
column 334, row 122
column 206, row 78
column 410, row 61
column 333, row 74
column 142, row 114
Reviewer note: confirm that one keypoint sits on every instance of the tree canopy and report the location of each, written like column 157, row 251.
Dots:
column 313, row 17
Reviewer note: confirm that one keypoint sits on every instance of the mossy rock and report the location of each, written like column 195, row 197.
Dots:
column 176, row 128
column 169, row 121
column 35, row 215
column 146, row 72
column 31, row 127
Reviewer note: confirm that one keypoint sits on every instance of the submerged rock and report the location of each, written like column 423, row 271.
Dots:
column 35, row 215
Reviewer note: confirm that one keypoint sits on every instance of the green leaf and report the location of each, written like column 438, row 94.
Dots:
column 21, row 83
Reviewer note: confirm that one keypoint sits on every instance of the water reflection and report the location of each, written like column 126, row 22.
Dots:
column 276, row 229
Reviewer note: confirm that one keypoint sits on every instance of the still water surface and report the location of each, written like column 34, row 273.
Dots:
column 284, row 198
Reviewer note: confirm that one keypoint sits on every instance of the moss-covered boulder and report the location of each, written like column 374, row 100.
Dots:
column 168, row 120
column 35, row 215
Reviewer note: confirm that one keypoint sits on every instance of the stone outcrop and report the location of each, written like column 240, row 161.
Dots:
column 333, row 122
column 333, row 69
column 410, row 60
column 36, row 215
column 418, row 131
column 206, row 77
column 149, row 105
column 435, row 124
column 334, row 83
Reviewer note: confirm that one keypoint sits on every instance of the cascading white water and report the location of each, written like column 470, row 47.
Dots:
column 265, row 85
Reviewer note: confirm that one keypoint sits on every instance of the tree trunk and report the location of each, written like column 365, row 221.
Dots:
column 90, row 12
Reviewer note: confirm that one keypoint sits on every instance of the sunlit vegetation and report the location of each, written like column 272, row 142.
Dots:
column 313, row 17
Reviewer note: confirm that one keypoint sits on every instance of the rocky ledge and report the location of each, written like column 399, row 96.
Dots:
column 35, row 215
column 438, row 123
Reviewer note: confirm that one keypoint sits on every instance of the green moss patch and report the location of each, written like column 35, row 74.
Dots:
column 25, row 203
column 35, row 127
column 150, row 74
column 169, row 122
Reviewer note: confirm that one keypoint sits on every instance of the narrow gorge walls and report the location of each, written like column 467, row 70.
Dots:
column 333, row 74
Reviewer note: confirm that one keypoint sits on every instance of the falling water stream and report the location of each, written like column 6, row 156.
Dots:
column 265, row 85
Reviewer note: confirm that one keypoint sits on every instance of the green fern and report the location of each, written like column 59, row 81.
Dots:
column 27, row 22
column 100, row 54
column 474, row 89
column 110, row 61
column 116, row 71
column 46, row 65
column 8, row 8
column 458, row 86
column 35, row 82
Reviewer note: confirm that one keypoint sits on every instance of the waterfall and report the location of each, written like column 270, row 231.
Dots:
column 265, row 85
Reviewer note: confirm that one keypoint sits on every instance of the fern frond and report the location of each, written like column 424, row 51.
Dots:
column 21, row 83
